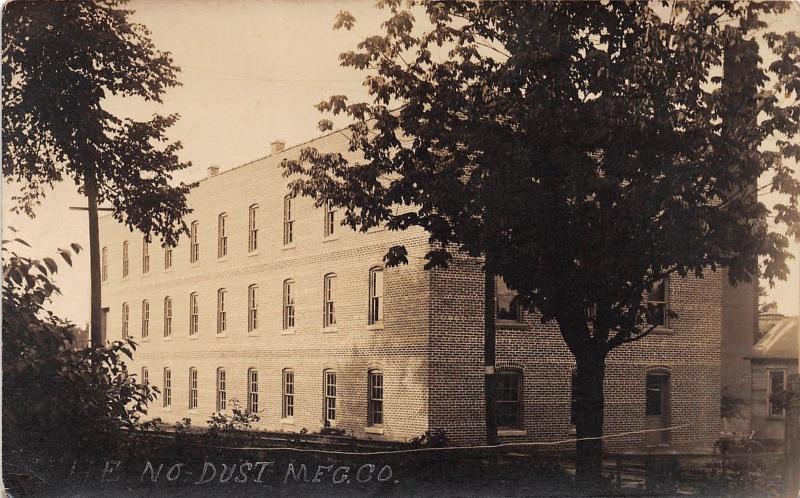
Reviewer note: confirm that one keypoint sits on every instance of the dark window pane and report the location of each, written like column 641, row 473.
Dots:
column 654, row 398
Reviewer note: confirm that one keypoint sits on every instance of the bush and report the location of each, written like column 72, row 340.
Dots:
column 436, row 438
column 239, row 420
column 57, row 397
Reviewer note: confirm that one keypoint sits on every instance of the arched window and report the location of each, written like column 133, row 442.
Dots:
column 252, row 390
column 167, row 258
column 145, row 319
column 222, row 316
column 375, row 398
column 252, row 308
column 329, row 398
column 167, row 316
column 167, row 388
column 508, row 392
column 288, row 220
column 376, row 295
column 145, row 255
column 330, row 219
column 192, row 388
column 194, row 314
column 104, row 264
column 252, row 233
column 222, row 395
column 222, row 235
column 125, row 319
column 125, row 261
column 288, row 393
column 194, row 243
column 288, row 304
column 329, row 301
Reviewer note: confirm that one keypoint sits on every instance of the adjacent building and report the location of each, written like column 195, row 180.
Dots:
column 270, row 304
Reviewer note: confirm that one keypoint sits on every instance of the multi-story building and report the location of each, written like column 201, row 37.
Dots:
column 272, row 304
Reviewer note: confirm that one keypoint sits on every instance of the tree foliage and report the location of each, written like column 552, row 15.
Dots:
column 61, row 61
column 58, row 400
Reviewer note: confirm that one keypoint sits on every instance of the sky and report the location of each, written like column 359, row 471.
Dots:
column 252, row 71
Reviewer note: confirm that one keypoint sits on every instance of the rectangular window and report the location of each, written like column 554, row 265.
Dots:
column 376, row 295
column 252, row 390
column 167, row 316
column 145, row 255
column 288, row 394
column 222, row 236
column 145, row 319
column 125, row 260
column 252, row 308
column 222, row 322
column 330, row 398
column 329, row 312
column 509, row 399
column 252, row 236
column 125, row 318
column 507, row 302
column 330, row 219
column 658, row 304
column 777, row 384
column 167, row 388
column 194, row 244
column 222, row 396
column 375, row 398
column 288, row 304
column 656, row 395
column 145, row 376
column 194, row 315
column 167, row 258
column 192, row 388
column 288, row 220
column 105, row 264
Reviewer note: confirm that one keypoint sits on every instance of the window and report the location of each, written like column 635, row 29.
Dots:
column 507, row 302
column 167, row 258
column 330, row 397
column 192, row 388
column 194, row 244
column 194, row 318
column 288, row 304
column 167, row 316
column 252, row 308
column 222, row 236
column 167, row 388
column 329, row 313
column 656, row 395
column 658, row 304
column 222, row 324
column 330, row 219
column 145, row 255
column 145, row 319
column 375, row 398
column 222, row 396
column 777, row 384
column 509, row 399
column 376, row 295
column 125, row 318
column 104, row 276
column 288, row 394
column 145, row 376
column 288, row 220
column 125, row 259
column 252, row 390
column 252, row 223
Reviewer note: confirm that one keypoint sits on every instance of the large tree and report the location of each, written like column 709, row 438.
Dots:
column 61, row 61
column 585, row 150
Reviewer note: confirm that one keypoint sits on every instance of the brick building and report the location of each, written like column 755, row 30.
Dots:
column 272, row 303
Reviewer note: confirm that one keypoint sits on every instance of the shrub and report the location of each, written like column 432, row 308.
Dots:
column 436, row 438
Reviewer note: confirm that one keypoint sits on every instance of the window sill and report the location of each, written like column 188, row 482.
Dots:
column 511, row 432
column 168, row 338
column 663, row 330
column 222, row 335
column 287, row 331
column 331, row 424
column 373, row 430
column 287, row 421
column 193, row 337
column 194, row 264
column 330, row 330
column 144, row 339
column 221, row 259
column 168, row 270
column 330, row 238
column 145, row 274
column 257, row 252
column 252, row 333
column 193, row 411
column 509, row 325
column 375, row 326
column 166, row 408
column 292, row 245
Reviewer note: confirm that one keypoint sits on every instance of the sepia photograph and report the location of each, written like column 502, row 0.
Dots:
column 520, row 248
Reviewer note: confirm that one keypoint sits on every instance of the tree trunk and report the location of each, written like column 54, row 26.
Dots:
column 589, row 417
column 95, row 321
column 489, row 341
